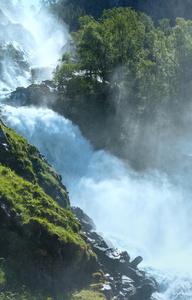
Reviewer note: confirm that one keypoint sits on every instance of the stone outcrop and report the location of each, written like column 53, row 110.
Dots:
column 4, row 144
column 125, row 280
column 43, row 94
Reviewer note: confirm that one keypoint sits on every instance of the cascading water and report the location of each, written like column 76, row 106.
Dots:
column 143, row 213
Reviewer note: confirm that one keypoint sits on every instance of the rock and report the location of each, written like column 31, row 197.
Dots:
column 4, row 214
column 4, row 144
column 143, row 293
column 107, row 291
column 128, row 287
column 86, row 222
column 35, row 94
column 136, row 261
column 124, row 278
column 3, row 137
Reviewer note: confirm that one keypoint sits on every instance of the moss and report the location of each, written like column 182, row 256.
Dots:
column 96, row 286
column 88, row 295
column 29, row 200
column 99, row 277
column 27, row 162
column 37, row 232
column 2, row 275
column 43, row 246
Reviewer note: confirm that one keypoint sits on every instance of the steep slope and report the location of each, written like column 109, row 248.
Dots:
column 42, row 246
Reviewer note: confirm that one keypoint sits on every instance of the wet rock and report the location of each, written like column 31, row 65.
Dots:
column 4, row 214
column 143, row 293
column 136, row 261
column 3, row 137
column 86, row 222
column 124, row 278
column 128, row 287
column 107, row 291
column 4, row 144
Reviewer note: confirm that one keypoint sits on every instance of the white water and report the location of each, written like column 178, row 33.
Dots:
column 142, row 213
column 40, row 40
column 145, row 214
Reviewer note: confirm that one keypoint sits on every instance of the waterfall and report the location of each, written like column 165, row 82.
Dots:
column 145, row 213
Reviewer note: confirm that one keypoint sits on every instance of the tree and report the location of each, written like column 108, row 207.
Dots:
column 33, row 77
column 64, row 73
column 181, row 44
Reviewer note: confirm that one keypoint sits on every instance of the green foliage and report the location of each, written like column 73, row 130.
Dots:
column 32, row 205
column 35, row 231
column 131, row 74
column 26, row 161
column 88, row 295
column 66, row 11
column 62, row 75
column 116, row 39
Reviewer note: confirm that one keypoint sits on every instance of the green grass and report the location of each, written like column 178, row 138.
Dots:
column 88, row 295
column 36, row 232
column 29, row 202
column 27, row 212
column 25, row 160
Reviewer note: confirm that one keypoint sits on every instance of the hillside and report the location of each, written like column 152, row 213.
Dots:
column 48, row 249
column 43, row 246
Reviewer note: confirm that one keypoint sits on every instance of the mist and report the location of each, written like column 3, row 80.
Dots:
column 51, row 37
column 145, row 212
column 37, row 41
column 156, row 135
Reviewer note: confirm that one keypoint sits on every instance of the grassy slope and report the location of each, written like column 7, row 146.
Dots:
column 37, row 236
column 27, row 162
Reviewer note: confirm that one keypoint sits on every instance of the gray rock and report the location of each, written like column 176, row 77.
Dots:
column 3, row 136
column 136, row 261
column 125, row 280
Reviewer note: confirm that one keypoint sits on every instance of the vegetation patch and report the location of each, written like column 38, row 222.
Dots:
column 88, row 295
column 26, row 160
column 43, row 246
